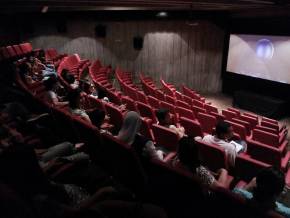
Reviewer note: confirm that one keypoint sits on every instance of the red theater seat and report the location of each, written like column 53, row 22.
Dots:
column 229, row 114
column 165, row 137
column 239, row 129
column 192, row 127
column 183, row 112
column 116, row 116
column 207, row 122
column 146, row 111
column 146, row 130
column 153, row 102
column 212, row 156
column 130, row 103
column 210, row 108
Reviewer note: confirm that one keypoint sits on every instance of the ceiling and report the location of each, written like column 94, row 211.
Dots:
column 235, row 8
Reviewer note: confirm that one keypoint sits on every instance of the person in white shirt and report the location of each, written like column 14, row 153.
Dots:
column 223, row 136
column 164, row 119
column 50, row 95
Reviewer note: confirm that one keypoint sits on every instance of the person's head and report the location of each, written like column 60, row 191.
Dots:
column 25, row 68
column 50, row 83
column 163, row 116
column 97, row 117
column 130, row 127
column 188, row 153
column 85, row 86
column 70, row 79
column 64, row 73
column 74, row 97
column 224, row 130
column 269, row 185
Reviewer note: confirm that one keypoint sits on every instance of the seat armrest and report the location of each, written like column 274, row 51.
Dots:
column 284, row 161
column 287, row 178
column 241, row 184
column 283, row 147
column 169, row 157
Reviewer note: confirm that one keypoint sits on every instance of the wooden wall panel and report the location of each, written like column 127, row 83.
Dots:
column 173, row 50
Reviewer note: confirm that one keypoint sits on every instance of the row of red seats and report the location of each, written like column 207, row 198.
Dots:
column 14, row 52
column 124, row 164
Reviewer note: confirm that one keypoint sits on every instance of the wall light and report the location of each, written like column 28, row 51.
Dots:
column 44, row 9
column 162, row 14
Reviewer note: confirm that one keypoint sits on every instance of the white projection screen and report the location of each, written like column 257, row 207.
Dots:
column 266, row 57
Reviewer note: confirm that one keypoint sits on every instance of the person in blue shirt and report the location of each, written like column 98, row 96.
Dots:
column 264, row 190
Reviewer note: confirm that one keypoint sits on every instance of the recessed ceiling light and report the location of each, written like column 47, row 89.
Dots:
column 44, row 9
column 162, row 14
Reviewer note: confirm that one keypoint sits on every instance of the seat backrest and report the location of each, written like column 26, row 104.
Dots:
column 114, row 97
column 116, row 116
column 17, row 49
column 270, row 125
column 11, row 51
column 265, row 153
column 123, row 163
column 72, row 61
column 239, row 129
column 229, row 114
column 130, row 103
column 146, row 111
column 251, row 115
column 168, row 106
column 270, row 120
column 170, row 100
column 165, row 137
column 183, row 112
column 253, row 121
column 209, row 108
column 4, row 53
column 247, row 168
column 188, row 92
column 146, row 130
column 212, row 156
column 197, row 110
column 176, row 189
column 197, row 103
column 192, row 127
column 219, row 117
column 266, row 129
column 183, row 104
column 238, row 112
column 159, row 95
column 154, row 102
column 142, row 97
column 244, row 123
column 188, row 100
column 207, row 122
column 266, row 137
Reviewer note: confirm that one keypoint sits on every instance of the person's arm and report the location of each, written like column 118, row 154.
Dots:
column 251, row 185
column 221, row 181
column 98, row 196
column 179, row 131
column 152, row 151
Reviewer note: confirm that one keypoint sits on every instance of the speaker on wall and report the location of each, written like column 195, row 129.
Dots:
column 138, row 42
column 101, row 31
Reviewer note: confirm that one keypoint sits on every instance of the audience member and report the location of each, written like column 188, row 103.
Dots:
column 50, row 96
column 74, row 98
column 164, row 119
column 224, row 138
column 188, row 158
column 264, row 190
column 129, row 135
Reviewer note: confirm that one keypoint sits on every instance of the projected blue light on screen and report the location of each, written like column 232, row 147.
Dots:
column 265, row 49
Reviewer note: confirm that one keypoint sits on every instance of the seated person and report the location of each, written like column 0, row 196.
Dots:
column 264, row 190
column 223, row 136
column 129, row 135
column 74, row 98
column 40, row 66
column 69, row 78
column 26, row 73
column 163, row 117
column 50, row 96
column 188, row 158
